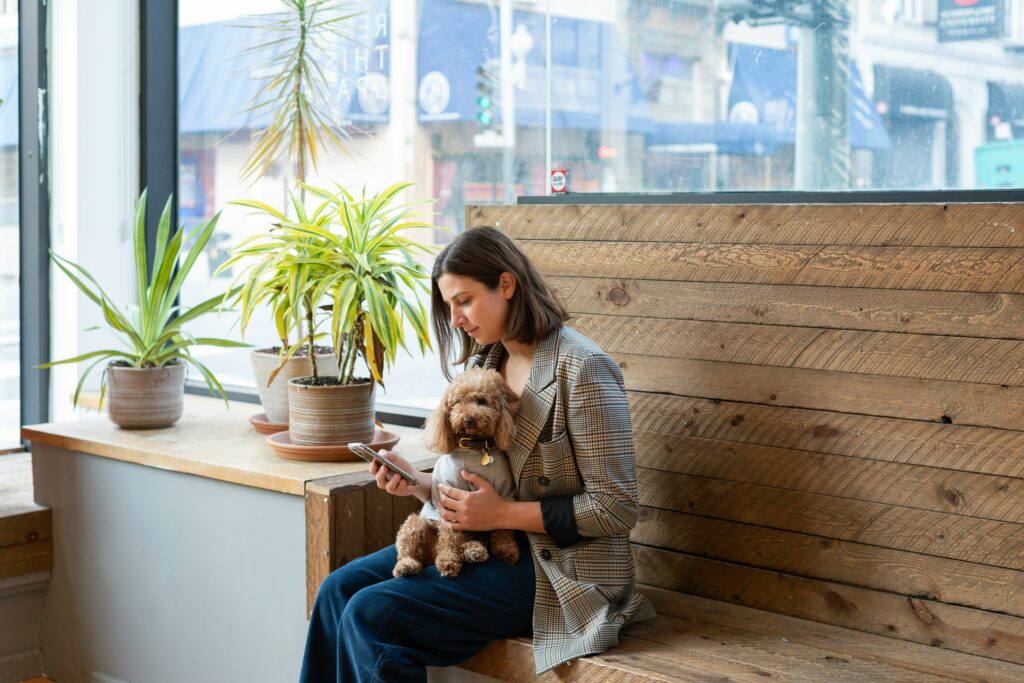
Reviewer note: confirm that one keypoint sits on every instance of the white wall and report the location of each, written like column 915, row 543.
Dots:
column 163, row 577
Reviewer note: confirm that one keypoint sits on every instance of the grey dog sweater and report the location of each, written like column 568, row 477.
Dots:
column 448, row 470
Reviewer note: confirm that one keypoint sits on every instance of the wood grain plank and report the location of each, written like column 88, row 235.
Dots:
column 999, row 544
column 963, row 493
column 320, row 540
column 677, row 646
column 922, row 268
column 26, row 527
column 923, row 621
column 964, row 359
column 758, row 655
column 949, row 446
column 857, row 564
column 349, row 524
column 379, row 519
column 512, row 660
column 26, row 558
column 970, row 314
column 984, row 405
column 865, row 224
column 844, row 642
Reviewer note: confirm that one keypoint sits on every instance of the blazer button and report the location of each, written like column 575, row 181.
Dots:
column 545, row 554
column 543, row 481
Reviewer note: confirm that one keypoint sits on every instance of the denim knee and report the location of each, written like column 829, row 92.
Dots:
column 369, row 611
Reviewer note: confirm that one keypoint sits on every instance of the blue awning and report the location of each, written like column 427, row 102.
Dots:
column 9, row 94
column 764, row 91
column 217, row 77
column 722, row 137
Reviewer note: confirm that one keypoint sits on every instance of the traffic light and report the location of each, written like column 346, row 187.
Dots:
column 484, row 96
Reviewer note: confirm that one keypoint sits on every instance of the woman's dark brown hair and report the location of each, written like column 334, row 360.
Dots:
column 483, row 254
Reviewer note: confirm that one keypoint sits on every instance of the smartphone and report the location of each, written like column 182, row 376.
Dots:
column 369, row 455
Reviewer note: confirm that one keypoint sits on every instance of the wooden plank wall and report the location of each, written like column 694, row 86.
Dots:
column 828, row 402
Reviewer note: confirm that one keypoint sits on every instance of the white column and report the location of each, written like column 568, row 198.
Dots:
column 94, row 126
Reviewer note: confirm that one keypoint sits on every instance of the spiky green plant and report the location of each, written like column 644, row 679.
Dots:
column 281, row 274
column 346, row 258
column 297, row 95
column 152, row 329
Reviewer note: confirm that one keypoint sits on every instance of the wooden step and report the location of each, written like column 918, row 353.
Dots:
column 26, row 528
column 701, row 640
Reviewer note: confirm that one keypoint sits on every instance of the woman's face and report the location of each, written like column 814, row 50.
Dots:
column 480, row 311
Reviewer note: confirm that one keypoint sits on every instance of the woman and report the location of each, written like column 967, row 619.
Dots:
column 574, row 465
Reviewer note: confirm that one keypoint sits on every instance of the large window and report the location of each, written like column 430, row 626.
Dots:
column 10, row 387
column 477, row 101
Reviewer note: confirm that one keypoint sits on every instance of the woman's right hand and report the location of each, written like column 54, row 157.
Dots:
column 390, row 481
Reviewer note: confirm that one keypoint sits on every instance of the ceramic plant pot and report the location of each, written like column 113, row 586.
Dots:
column 332, row 414
column 145, row 398
column 275, row 397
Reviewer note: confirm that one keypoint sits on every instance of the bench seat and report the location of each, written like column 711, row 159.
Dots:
column 696, row 639
column 26, row 529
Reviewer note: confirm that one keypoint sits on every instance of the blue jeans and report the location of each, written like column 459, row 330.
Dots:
column 369, row 626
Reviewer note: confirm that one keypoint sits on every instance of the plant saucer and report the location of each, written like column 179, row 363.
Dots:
column 264, row 426
column 282, row 443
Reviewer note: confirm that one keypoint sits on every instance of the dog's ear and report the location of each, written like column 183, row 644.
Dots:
column 506, row 435
column 437, row 432
column 507, row 425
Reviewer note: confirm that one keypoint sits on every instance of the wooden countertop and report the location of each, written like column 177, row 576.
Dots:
column 211, row 441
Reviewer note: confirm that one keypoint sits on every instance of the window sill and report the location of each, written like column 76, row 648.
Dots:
column 212, row 441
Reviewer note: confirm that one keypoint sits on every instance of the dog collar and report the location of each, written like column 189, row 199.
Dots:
column 484, row 445
column 478, row 444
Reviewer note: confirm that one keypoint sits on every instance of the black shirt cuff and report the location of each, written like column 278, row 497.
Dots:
column 559, row 520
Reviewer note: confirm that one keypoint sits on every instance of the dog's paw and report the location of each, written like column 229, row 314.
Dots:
column 474, row 551
column 407, row 566
column 449, row 565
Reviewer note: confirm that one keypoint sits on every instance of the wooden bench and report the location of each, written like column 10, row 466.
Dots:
column 26, row 558
column 828, row 404
column 26, row 529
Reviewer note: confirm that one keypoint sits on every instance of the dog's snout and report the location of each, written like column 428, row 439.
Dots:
column 468, row 421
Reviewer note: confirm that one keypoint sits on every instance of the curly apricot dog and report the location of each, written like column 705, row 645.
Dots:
column 472, row 427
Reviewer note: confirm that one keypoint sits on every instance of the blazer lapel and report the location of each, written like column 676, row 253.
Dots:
column 537, row 399
column 493, row 358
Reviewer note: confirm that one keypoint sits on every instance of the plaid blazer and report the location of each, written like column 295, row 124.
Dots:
column 574, row 438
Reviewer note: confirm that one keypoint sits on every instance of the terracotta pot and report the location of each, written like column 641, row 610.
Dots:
column 275, row 397
column 330, row 415
column 145, row 398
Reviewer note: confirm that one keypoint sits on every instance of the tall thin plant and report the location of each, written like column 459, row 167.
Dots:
column 297, row 95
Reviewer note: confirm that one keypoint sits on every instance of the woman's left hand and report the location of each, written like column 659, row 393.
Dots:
column 480, row 510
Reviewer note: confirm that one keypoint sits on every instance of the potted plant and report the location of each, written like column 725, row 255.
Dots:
column 146, row 379
column 296, row 99
column 282, row 267
column 345, row 266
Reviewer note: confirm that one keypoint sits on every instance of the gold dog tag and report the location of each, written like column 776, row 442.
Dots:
column 486, row 460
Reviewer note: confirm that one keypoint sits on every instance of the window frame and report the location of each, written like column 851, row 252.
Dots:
column 33, row 212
